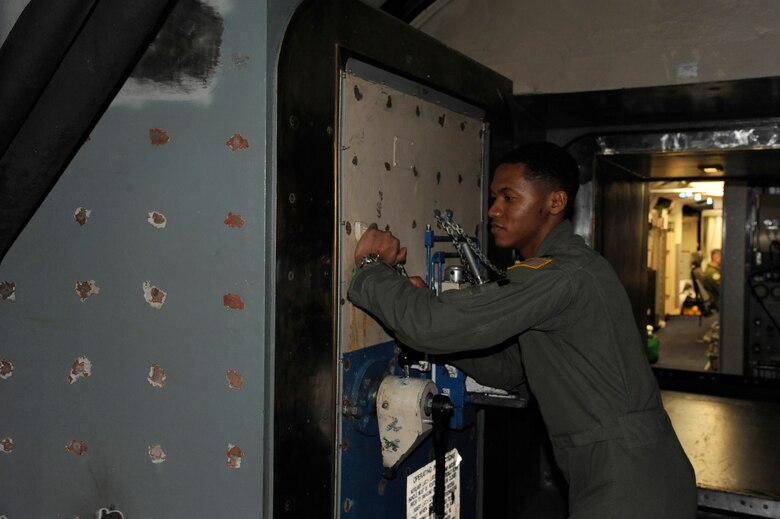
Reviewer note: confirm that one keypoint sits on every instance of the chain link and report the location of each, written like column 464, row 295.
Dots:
column 458, row 236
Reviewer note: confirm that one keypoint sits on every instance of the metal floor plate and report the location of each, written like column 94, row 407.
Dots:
column 734, row 448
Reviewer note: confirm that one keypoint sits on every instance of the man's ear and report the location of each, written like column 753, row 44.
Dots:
column 557, row 201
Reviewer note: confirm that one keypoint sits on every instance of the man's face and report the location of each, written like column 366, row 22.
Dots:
column 716, row 259
column 519, row 210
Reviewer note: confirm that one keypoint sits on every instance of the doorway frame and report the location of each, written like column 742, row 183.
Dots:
column 593, row 149
column 304, row 359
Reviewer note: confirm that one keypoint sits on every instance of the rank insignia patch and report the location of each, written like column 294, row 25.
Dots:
column 533, row 263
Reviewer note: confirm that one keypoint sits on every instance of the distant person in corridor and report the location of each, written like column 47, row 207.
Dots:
column 576, row 341
column 711, row 280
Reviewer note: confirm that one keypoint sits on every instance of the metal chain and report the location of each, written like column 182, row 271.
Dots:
column 457, row 234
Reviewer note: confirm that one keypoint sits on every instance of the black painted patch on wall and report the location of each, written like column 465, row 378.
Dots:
column 185, row 53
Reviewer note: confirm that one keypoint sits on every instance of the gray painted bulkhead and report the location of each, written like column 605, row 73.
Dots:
column 189, row 377
column 139, row 308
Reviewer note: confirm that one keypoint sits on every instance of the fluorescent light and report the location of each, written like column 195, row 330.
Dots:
column 711, row 169
column 708, row 188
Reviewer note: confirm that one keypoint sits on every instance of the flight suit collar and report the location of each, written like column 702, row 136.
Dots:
column 559, row 234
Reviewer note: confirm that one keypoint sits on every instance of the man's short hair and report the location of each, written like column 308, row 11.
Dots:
column 549, row 165
column 713, row 252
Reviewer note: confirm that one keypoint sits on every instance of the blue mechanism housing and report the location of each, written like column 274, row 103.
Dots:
column 364, row 491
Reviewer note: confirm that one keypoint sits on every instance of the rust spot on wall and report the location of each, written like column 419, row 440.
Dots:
column 233, row 301
column 81, row 368
column 234, row 455
column 354, row 160
column 154, row 295
column 442, row 119
column 438, row 178
column 358, row 93
column 379, row 205
column 237, row 142
column 6, row 445
column 82, row 215
column 388, row 166
column 234, row 378
column 348, row 228
column 234, row 220
column 109, row 513
column 159, row 137
column 156, row 375
column 389, row 103
column 77, row 447
column 6, row 369
column 86, row 288
column 157, row 454
column 460, row 178
column 7, row 291
column 157, row 220
column 239, row 60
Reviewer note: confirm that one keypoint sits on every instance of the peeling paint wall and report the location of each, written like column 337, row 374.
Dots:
column 132, row 371
column 548, row 46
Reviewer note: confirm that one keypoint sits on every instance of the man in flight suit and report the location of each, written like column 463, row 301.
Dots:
column 577, row 342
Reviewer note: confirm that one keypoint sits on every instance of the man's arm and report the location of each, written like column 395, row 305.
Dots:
column 469, row 319
column 501, row 367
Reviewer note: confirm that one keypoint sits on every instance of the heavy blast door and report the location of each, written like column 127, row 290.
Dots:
column 377, row 123
column 404, row 152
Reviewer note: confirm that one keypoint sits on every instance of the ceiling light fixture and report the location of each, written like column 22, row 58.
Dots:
column 711, row 169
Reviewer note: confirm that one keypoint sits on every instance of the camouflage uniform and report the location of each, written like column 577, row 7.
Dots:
column 711, row 284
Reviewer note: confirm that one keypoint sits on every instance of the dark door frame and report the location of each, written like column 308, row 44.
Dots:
column 304, row 359
column 615, row 159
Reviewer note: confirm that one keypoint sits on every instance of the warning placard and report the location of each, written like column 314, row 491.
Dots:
column 420, row 486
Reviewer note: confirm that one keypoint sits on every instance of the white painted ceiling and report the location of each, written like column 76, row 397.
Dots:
column 555, row 46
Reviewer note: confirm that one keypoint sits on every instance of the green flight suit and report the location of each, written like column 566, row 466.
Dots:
column 584, row 361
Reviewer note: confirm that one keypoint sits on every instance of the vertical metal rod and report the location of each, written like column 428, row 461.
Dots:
column 442, row 411
column 472, row 261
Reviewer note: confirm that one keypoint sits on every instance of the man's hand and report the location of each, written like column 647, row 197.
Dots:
column 417, row 281
column 382, row 243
